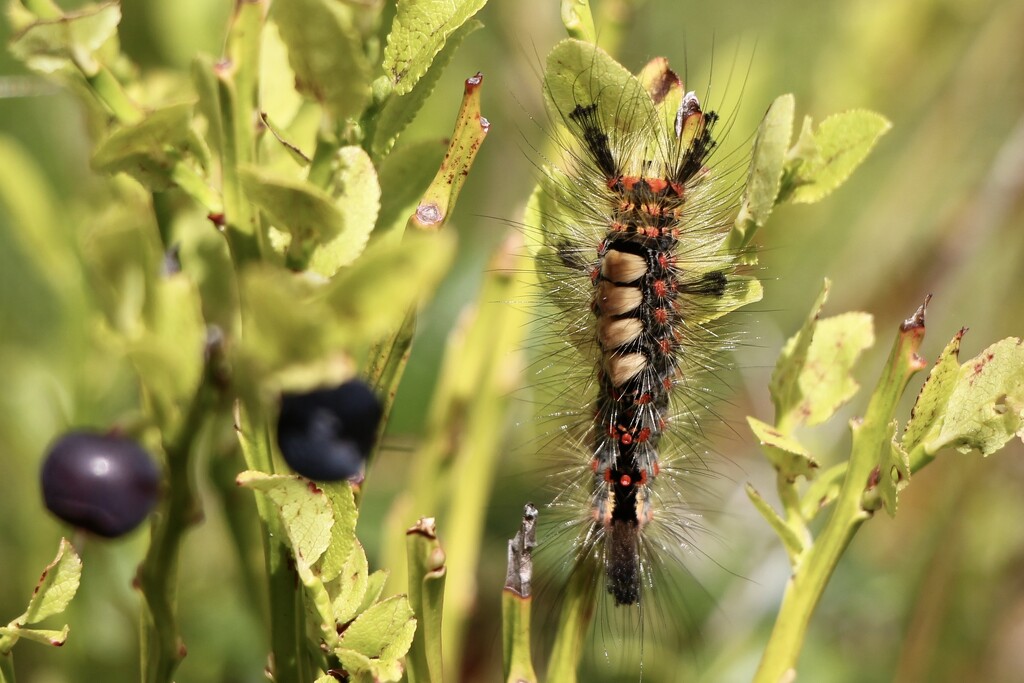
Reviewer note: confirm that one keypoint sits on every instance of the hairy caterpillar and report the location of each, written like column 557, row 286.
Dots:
column 630, row 248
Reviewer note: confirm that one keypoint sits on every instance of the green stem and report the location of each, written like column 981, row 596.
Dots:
column 6, row 668
column 109, row 91
column 812, row 573
column 162, row 649
column 287, row 615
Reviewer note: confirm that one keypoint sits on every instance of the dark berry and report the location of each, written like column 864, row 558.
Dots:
column 327, row 434
column 103, row 484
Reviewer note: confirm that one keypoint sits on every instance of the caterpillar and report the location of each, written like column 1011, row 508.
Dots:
column 630, row 250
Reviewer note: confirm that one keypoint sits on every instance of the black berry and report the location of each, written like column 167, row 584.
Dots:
column 103, row 484
column 327, row 434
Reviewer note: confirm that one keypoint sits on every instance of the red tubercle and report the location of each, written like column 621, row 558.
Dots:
column 661, row 316
column 656, row 468
column 625, row 480
column 594, row 464
column 665, row 346
column 644, row 435
column 626, row 439
column 657, row 185
column 608, row 476
column 660, row 288
column 644, row 398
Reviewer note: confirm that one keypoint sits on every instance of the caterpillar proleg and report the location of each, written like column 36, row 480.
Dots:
column 631, row 252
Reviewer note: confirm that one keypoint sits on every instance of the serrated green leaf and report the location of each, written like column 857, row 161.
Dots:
column 38, row 635
column 986, row 407
column 893, row 470
column 581, row 73
column 824, row 159
column 825, row 381
column 418, row 33
column 57, row 586
column 148, row 150
column 379, row 638
column 790, row 539
column 405, row 174
column 374, row 589
column 785, row 382
column 764, row 177
column 343, row 533
column 351, row 586
column 47, row 45
column 305, row 510
column 305, row 211
column 326, row 53
column 356, row 195
column 400, row 109
column 932, row 400
column 788, row 456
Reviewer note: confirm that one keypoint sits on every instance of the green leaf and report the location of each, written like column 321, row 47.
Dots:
column 47, row 45
column 374, row 589
column 418, row 33
column 790, row 539
column 765, row 175
column 825, row 381
column 305, row 510
column 580, row 73
column 785, row 383
column 57, row 586
column 986, row 407
column 376, row 641
column 343, row 532
column 148, row 150
column 352, row 586
column 168, row 354
column 326, row 53
column 38, row 635
column 822, row 160
column 893, row 470
column 305, row 211
column 357, row 197
column 371, row 297
column 740, row 290
column 785, row 454
column 399, row 110
column 930, row 407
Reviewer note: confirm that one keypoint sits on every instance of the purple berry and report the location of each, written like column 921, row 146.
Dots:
column 100, row 483
column 327, row 434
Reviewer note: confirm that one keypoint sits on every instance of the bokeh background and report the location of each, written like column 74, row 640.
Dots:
column 936, row 594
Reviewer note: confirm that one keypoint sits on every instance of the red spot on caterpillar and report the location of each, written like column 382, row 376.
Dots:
column 608, row 475
column 644, row 434
column 644, row 399
column 594, row 465
column 660, row 289
column 657, row 185
column 656, row 467
column 625, row 480
column 661, row 315
column 626, row 439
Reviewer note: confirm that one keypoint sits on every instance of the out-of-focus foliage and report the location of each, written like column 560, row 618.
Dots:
column 933, row 595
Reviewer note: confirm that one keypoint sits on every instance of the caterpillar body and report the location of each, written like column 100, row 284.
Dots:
column 632, row 250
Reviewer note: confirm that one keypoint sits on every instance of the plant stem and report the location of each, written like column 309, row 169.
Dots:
column 811, row 574
column 287, row 617
column 162, row 649
column 6, row 668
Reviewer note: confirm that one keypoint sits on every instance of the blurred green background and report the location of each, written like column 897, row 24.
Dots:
column 935, row 595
